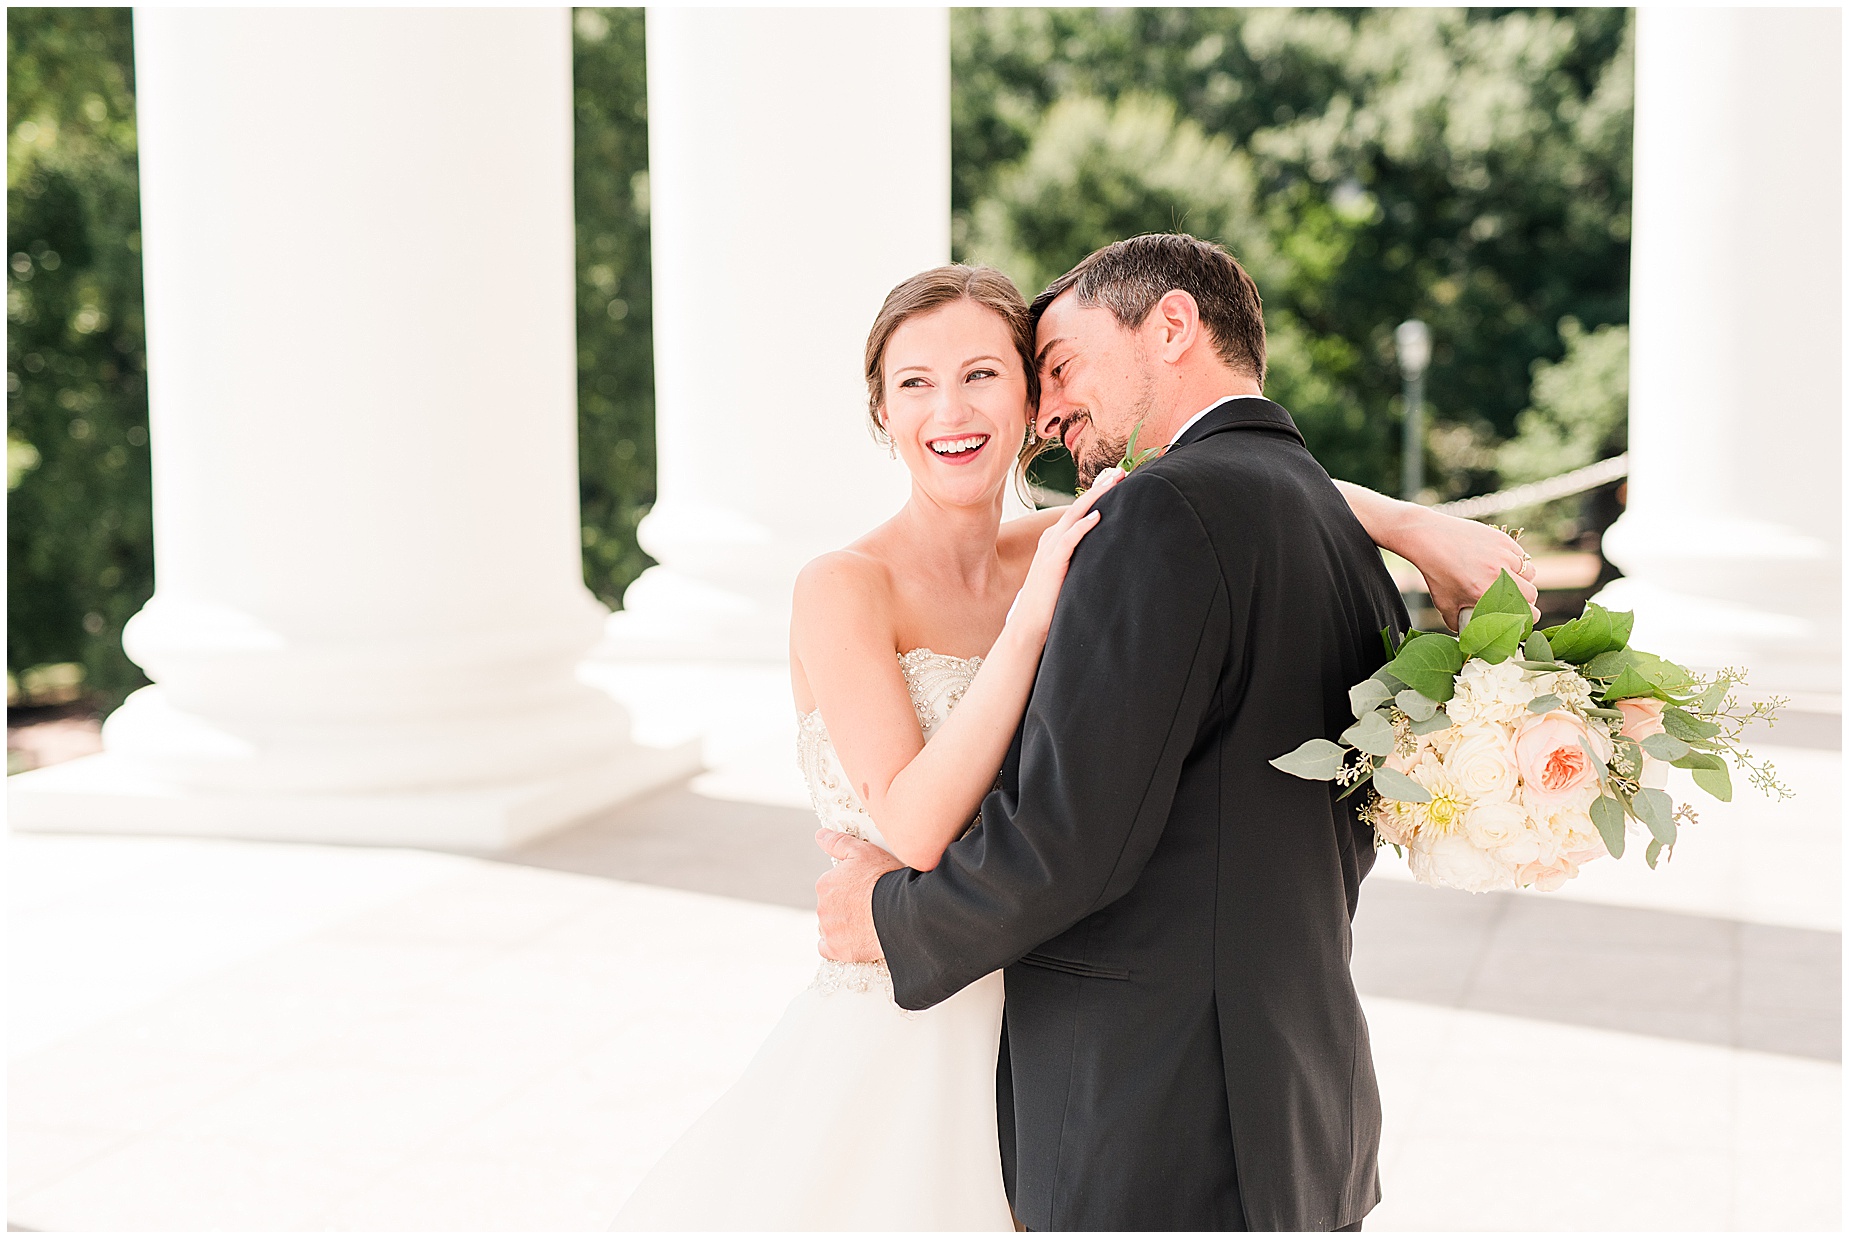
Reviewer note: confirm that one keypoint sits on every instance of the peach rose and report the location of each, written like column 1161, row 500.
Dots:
column 1544, row 877
column 1551, row 752
column 1643, row 717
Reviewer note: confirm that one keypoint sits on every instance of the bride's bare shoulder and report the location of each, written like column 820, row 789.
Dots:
column 853, row 582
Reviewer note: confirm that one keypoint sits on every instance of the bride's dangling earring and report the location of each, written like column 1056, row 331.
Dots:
column 892, row 448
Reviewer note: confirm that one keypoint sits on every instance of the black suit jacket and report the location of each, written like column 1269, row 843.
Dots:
column 1184, row 1047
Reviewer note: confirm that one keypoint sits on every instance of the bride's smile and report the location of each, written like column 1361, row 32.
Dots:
column 960, row 450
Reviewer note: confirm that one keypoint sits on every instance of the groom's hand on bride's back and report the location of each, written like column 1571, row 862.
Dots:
column 844, row 896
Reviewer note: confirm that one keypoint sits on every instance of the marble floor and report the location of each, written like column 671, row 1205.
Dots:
column 223, row 1035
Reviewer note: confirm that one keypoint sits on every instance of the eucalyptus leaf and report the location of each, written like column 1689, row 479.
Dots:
column 1372, row 734
column 1430, row 663
column 1544, row 703
column 1715, row 781
column 1396, row 786
column 1365, row 697
column 1415, row 705
column 1438, row 722
column 1528, row 664
column 1652, row 852
column 1693, row 760
column 1493, row 636
column 1710, row 701
column 1665, row 747
column 1600, row 712
column 1313, row 759
column 1608, row 816
column 1685, row 726
column 1536, row 649
column 1656, row 810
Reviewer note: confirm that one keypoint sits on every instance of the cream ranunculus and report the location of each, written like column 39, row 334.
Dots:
column 1482, row 763
column 1551, row 751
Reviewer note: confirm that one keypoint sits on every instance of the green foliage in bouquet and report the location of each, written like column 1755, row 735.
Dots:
column 1702, row 720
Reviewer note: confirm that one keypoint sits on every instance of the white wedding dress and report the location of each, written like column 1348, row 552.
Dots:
column 855, row 1114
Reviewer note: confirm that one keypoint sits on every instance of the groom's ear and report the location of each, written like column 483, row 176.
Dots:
column 1176, row 320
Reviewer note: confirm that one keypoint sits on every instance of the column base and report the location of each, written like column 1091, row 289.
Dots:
column 1791, row 655
column 107, row 795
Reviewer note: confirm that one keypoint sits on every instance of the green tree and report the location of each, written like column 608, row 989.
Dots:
column 1467, row 167
column 616, row 367
column 1580, row 408
column 79, row 539
column 79, row 531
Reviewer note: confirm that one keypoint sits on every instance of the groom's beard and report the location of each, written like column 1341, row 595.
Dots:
column 1099, row 454
column 1104, row 450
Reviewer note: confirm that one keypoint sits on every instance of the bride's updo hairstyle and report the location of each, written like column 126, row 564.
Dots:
column 938, row 287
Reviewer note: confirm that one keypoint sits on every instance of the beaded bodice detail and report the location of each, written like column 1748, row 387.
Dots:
column 936, row 683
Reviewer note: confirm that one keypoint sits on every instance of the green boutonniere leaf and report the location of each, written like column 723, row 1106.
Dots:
column 1132, row 457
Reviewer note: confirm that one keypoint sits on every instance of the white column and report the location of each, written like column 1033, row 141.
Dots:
column 1731, row 542
column 799, row 167
column 358, row 244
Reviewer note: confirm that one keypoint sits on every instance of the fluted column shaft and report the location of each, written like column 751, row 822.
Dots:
column 359, row 286
column 1731, row 542
column 799, row 168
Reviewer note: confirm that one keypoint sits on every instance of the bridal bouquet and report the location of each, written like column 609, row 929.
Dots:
column 1508, row 756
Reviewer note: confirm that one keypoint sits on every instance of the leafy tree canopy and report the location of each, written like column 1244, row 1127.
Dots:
column 1467, row 167
column 79, row 539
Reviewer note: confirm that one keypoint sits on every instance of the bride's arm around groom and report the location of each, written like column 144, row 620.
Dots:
column 1173, row 913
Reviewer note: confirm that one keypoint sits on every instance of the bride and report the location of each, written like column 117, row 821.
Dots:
column 912, row 655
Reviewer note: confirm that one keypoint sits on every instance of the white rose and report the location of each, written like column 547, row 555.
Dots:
column 1482, row 763
column 1496, row 824
column 1452, row 860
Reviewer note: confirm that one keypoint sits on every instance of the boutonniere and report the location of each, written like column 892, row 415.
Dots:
column 1132, row 457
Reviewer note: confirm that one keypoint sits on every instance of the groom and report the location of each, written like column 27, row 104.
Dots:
column 1182, row 1048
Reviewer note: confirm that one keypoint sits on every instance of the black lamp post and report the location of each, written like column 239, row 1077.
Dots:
column 1412, row 340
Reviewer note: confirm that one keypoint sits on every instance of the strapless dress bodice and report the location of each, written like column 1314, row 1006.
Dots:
column 936, row 683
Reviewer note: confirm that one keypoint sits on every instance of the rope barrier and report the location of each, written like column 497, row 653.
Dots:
column 1564, row 485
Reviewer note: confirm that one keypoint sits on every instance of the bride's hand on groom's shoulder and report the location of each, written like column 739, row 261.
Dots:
column 844, row 897
column 1033, row 606
column 1460, row 559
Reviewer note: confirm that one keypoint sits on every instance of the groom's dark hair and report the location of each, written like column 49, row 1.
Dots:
column 1129, row 277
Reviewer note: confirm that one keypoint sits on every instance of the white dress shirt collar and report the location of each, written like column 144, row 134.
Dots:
column 1204, row 412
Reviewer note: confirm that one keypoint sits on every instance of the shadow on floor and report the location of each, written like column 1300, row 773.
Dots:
column 1660, row 974
column 681, row 839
